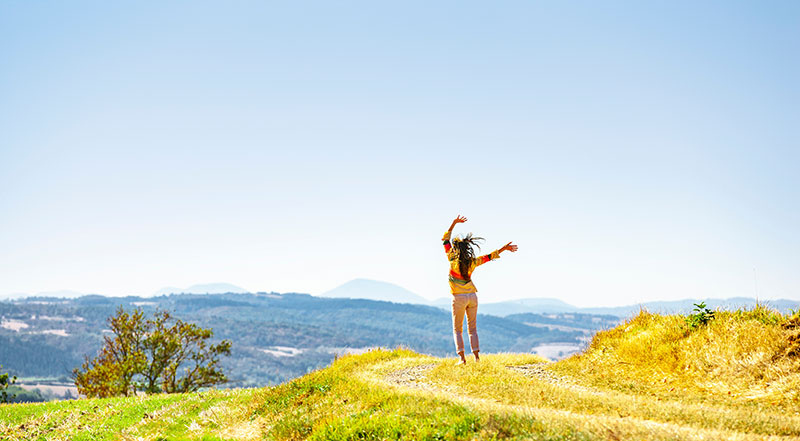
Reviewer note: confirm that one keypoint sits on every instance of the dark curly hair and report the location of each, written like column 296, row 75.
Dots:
column 464, row 252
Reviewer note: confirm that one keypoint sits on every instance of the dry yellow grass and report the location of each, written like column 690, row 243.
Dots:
column 743, row 355
column 490, row 387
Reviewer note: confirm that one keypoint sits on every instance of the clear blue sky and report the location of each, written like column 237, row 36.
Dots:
column 634, row 150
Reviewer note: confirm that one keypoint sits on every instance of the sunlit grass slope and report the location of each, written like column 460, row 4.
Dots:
column 333, row 403
column 650, row 378
column 746, row 356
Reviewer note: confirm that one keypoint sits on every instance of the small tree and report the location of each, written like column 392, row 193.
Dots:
column 150, row 355
column 183, row 344
column 4, row 383
column 121, row 358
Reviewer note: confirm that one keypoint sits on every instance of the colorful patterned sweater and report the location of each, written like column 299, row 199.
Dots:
column 458, row 283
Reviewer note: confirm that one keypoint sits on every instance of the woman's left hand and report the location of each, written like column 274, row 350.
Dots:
column 509, row 247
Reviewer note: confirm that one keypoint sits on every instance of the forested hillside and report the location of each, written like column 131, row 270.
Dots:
column 275, row 336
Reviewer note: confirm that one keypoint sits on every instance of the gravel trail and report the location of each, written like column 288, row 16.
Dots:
column 539, row 372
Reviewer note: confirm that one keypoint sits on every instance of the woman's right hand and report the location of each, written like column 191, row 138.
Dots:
column 459, row 219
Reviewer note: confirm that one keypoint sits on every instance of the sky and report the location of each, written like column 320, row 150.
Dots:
column 634, row 151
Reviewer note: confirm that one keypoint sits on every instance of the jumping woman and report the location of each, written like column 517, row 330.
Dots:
column 461, row 255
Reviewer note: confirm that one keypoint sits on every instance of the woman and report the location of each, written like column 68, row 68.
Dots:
column 462, row 262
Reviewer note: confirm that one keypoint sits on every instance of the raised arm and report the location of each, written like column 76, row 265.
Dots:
column 458, row 220
column 508, row 247
column 446, row 238
column 495, row 254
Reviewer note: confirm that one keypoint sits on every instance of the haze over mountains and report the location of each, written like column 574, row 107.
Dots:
column 377, row 290
column 385, row 291
column 64, row 294
column 205, row 288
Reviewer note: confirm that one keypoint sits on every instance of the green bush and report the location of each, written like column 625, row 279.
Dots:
column 700, row 316
column 5, row 382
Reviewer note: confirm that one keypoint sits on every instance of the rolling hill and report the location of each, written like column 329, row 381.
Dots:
column 653, row 377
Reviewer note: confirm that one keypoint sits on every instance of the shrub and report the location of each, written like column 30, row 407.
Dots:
column 4, row 383
column 700, row 316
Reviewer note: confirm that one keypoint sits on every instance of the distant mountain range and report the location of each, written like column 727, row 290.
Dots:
column 375, row 290
column 385, row 291
column 206, row 288
column 63, row 294
column 683, row 306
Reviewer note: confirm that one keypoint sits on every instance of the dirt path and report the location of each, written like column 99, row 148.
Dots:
column 539, row 372
column 415, row 377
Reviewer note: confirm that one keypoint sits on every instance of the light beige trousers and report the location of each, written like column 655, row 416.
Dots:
column 465, row 303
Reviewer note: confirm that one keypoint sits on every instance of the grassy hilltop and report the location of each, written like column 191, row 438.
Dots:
column 653, row 377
